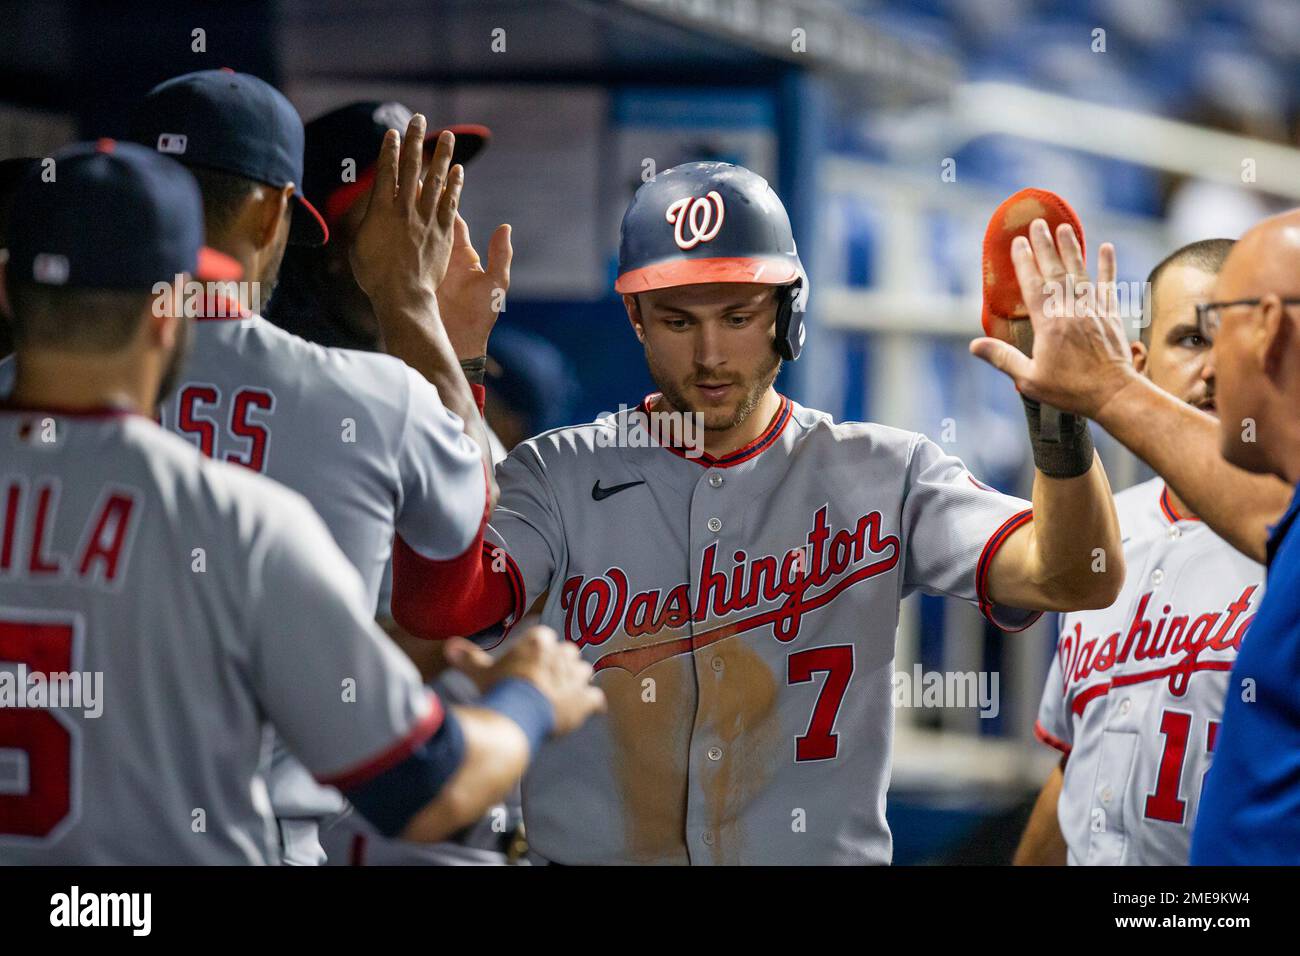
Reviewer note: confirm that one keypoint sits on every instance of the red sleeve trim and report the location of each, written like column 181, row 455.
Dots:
column 516, row 586
column 480, row 395
column 460, row 596
column 995, row 541
column 435, row 600
column 424, row 728
column 1047, row 737
column 519, row 595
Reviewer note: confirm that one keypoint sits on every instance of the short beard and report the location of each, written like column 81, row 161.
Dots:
column 265, row 290
column 677, row 400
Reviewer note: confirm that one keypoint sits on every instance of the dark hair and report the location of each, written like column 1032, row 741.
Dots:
column 1204, row 254
column 76, row 320
column 310, row 301
column 224, row 194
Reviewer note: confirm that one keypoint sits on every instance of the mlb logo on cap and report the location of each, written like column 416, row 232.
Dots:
column 50, row 268
column 172, row 143
column 119, row 216
column 235, row 123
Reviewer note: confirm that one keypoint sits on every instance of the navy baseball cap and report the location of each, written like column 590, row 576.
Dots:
column 355, row 132
column 115, row 216
column 235, row 123
column 705, row 222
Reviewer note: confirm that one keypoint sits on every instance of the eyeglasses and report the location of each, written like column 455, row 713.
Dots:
column 1209, row 318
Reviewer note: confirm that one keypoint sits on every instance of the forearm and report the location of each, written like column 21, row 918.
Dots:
column 1182, row 445
column 496, row 756
column 415, row 334
column 1069, row 557
column 424, row 654
column 1042, row 843
column 1076, row 537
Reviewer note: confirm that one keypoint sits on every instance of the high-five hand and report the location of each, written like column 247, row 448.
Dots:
column 472, row 296
column 400, row 256
column 403, row 244
column 1080, row 356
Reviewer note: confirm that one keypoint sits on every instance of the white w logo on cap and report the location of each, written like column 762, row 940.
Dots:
column 702, row 216
column 172, row 143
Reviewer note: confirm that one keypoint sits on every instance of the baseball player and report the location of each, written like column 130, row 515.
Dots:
column 318, row 297
column 738, row 597
column 157, row 608
column 1231, row 473
column 375, row 447
column 1135, row 694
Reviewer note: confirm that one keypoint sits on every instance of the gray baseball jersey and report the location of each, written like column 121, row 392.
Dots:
column 740, row 614
column 361, row 435
column 1135, row 692
column 352, row 841
column 369, row 443
column 180, row 604
column 348, row 840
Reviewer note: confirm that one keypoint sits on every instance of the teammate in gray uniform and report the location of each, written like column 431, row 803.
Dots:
column 158, row 609
column 372, row 444
column 1135, row 692
column 739, row 605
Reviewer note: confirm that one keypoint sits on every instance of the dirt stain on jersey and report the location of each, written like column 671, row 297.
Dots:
column 691, row 701
column 738, row 716
column 650, row 717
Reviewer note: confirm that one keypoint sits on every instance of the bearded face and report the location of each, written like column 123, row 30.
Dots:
column 710, row 348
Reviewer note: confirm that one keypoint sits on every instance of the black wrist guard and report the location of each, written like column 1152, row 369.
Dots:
column 475, row 369
column 1062, row 443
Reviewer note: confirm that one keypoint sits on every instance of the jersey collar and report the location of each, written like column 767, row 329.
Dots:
column 755, row 448
column 220, row 308
column 1172, row 515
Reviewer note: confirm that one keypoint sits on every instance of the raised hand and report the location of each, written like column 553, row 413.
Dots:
column 404, row 243
column 1079, row 357
column 472, row 296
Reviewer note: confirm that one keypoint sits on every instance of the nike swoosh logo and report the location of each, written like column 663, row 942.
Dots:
column 600, row 494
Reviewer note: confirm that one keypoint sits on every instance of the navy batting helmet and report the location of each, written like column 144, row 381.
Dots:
column 714, row 222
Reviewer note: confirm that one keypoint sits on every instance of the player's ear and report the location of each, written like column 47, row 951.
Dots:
column 166, row 311
column 1277, row 333
column 1138, row 350
column 274, row 215
column 633, row 306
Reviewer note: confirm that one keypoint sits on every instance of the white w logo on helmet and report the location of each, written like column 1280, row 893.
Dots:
column 702, row 216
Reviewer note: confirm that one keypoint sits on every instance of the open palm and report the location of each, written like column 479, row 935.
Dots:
column 472, row 295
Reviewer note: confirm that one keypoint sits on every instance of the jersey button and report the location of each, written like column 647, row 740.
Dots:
column 715, row 480
column 715, row 525
column 1106, row 795
column 1125, row 705
column 716, row 664
column 1175, row 532
column 715, row 753
column 1157, row 576
column 708, row 838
